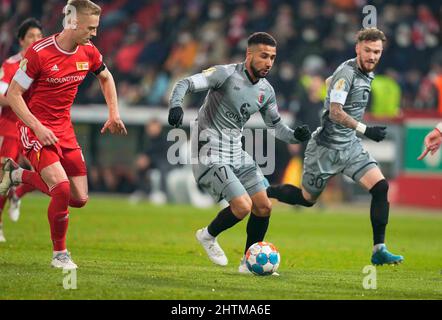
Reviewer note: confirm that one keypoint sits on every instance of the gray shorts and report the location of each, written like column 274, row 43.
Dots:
column 224, row 181
column 322, row 163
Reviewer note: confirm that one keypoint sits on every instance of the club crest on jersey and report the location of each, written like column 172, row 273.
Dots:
column 339, row 85
column 261, row 97
column 23, row 64
column 82, row 66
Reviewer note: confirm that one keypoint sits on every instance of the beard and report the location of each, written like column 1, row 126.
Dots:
column 258, row 73
column 364, row 66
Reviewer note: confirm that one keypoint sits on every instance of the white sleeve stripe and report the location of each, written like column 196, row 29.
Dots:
column 338, row 96
column 199, row 81
column 23, row 79
column 3, row 87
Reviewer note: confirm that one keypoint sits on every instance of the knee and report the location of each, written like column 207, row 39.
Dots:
column 61, row 189
column 241, row 207
column 61, row 192
column 263, row 209
column 78, row 203
column 380, row 190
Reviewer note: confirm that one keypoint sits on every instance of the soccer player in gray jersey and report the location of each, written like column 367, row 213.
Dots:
column 335, row 148
column 235, row 92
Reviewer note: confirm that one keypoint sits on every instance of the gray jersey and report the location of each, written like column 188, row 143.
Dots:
column 351, row 88
column 231, row 99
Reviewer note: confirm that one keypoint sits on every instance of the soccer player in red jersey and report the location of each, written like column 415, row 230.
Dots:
column 41, row 94
column 29, row 31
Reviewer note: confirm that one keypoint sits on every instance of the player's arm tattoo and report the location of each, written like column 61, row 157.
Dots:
column 338, row 115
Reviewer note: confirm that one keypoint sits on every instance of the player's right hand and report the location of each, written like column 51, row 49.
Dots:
column 45, row 135
column 302, row 133
column 176, row 116
column 376, row 133
column 432, row 142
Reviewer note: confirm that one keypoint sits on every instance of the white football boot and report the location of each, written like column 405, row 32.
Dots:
column 243, row 266
column 213, row 249
column 63, row 260
column 14, row 206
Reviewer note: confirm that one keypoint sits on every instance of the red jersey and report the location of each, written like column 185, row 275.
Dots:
column 8, row 119
column 51, row 77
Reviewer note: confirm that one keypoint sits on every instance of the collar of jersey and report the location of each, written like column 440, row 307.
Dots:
column 60, row 49
column 370, row 74
column 248, row 75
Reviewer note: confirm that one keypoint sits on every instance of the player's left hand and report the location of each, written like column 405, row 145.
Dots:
column 115, row 126
column 302, row 133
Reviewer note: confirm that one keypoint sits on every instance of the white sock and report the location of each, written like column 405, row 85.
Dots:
column 377, row 247
column 16, row 175
column 207, row 235
column 54, row 253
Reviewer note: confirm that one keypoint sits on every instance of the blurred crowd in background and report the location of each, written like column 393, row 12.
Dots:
column 149, row 45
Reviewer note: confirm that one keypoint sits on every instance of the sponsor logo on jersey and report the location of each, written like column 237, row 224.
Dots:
column 233, row 116
column 82, row 66
column 23, row 64
column 245, row 112
column 65, row 79
column 55, row 68
column 339, row 85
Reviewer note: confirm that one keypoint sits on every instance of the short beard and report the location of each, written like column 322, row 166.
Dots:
column 363, row 68
column 255, row 71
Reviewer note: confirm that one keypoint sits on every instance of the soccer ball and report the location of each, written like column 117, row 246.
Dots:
column 262, row 258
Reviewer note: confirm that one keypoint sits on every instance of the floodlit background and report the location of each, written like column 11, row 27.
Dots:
column 148, row 45
column 135, row 239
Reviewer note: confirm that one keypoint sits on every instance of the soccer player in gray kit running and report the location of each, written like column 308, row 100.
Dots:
column 224, row 170
column 335, row 148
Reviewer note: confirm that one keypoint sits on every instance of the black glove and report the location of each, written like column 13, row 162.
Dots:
column 176, row 116
column 376, row 133
column 302, row 133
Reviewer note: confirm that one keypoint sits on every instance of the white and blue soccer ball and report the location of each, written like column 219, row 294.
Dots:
column 262, row 258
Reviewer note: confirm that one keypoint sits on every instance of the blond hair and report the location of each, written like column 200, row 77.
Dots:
column 85, row 7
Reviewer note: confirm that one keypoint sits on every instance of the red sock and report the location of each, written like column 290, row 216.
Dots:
column 2, row 205
column 33, row 178
column 2, row 202
column 22, row 189
column 58, row 214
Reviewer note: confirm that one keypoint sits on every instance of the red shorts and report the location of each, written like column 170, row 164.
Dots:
column 10, row 148
column 40, row 156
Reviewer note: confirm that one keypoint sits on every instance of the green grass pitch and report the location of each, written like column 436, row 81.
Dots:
column 149, row 252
